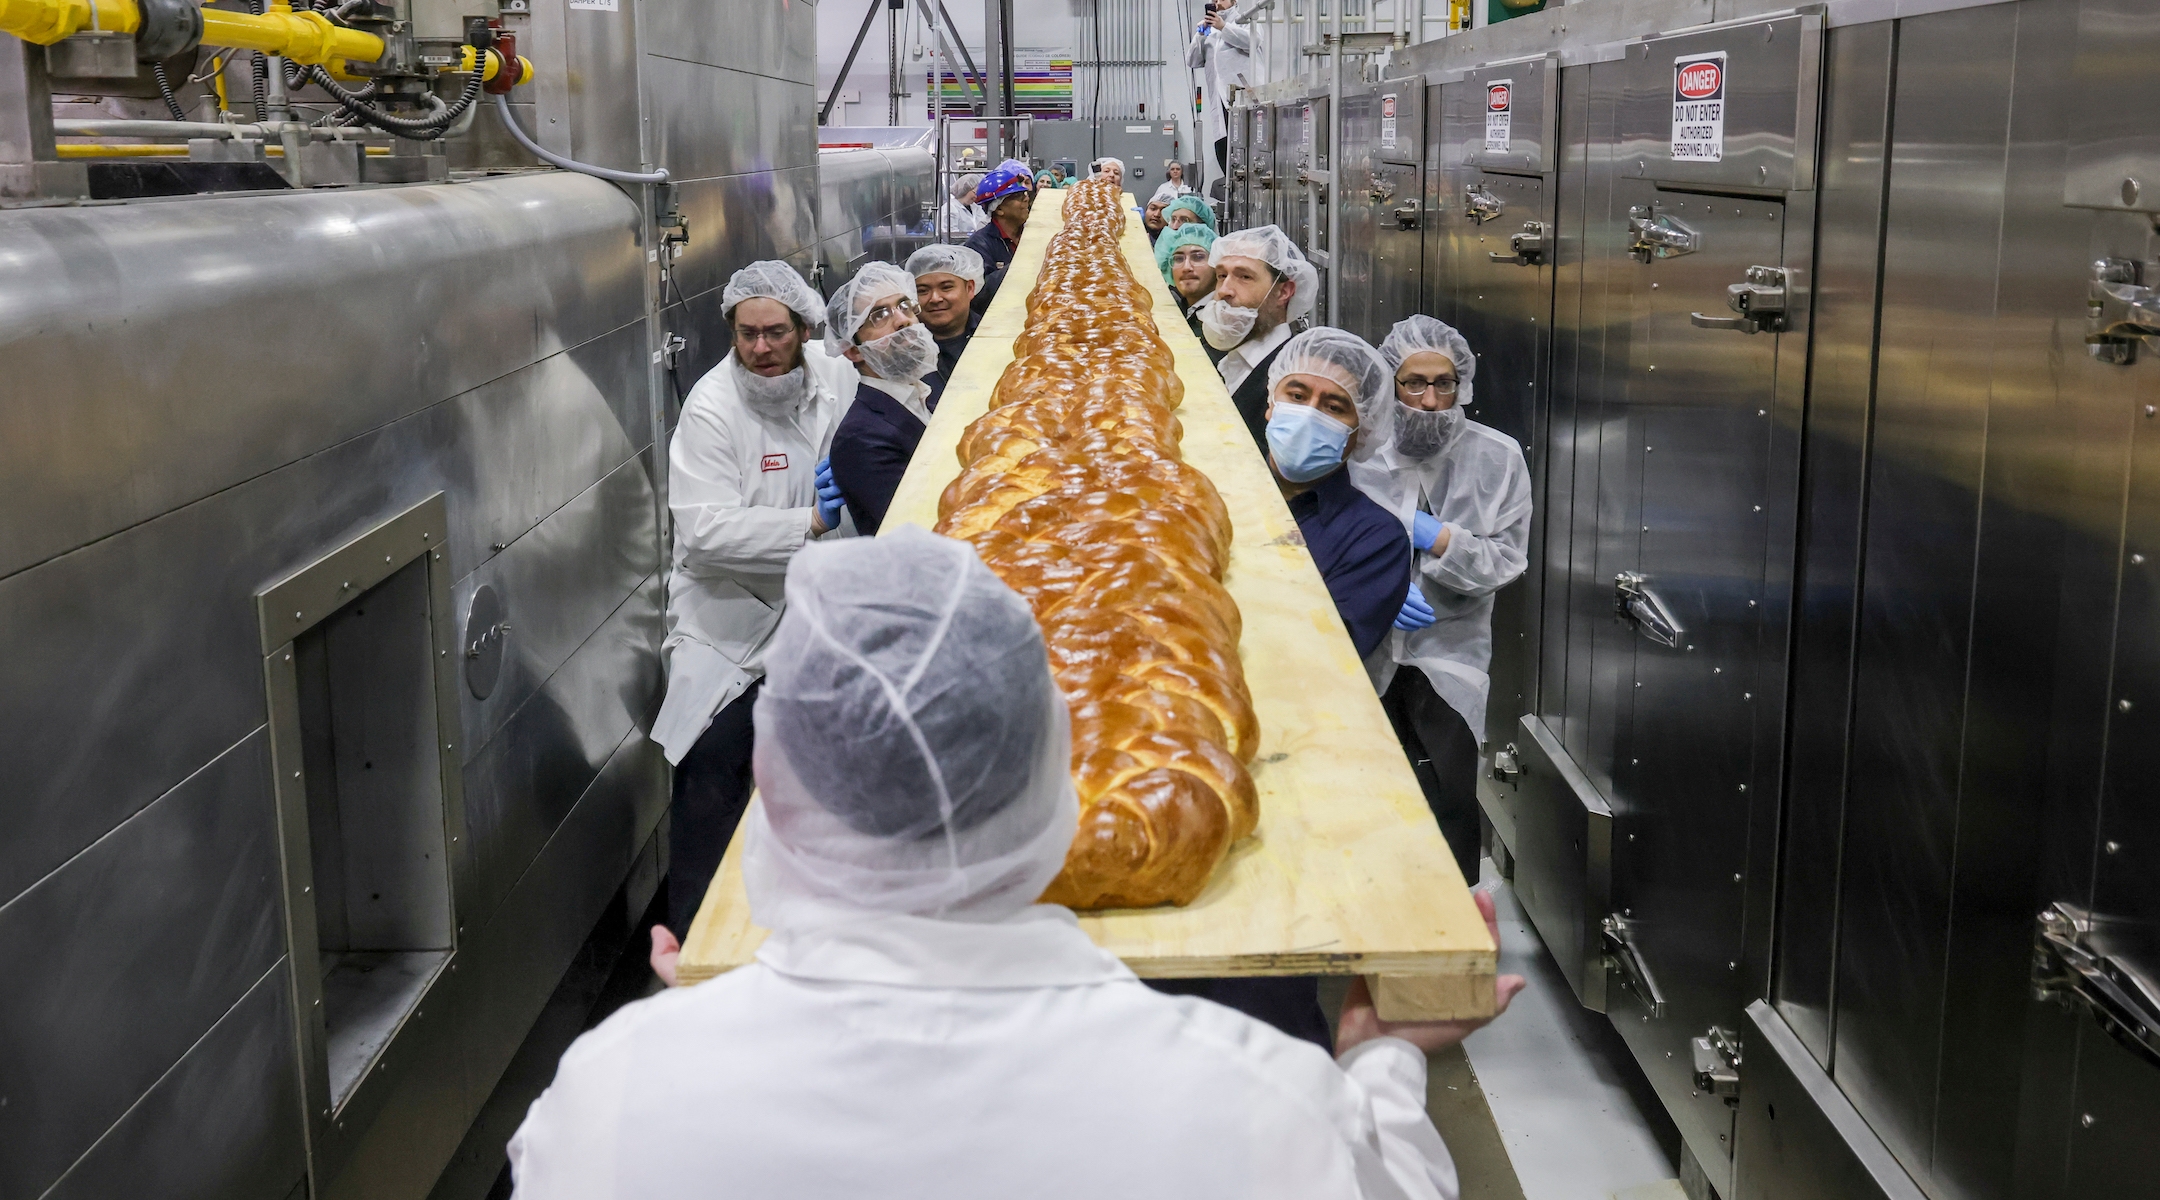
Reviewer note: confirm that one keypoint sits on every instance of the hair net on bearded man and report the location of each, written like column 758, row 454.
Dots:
column 777, row 281
column 1273, row 247
column 1421, row 334
column 905, row 354
column 912, row 750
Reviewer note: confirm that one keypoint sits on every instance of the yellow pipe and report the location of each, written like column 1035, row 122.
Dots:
column 494, row 65
column 158, row 150
column 307, row 38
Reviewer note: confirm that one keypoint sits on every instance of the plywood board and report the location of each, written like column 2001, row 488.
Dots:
column 1348, row 873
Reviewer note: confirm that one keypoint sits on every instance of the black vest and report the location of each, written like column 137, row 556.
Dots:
column 1251, row 399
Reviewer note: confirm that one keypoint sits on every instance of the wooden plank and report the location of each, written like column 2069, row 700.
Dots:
column 1348, row 873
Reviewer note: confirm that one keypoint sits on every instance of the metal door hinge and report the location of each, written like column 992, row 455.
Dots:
column 1480, row 205
column 1527, row 248
column 672, row 346
column 1622, row 956
column 1507, row 764
column 1407, row 216
column 2119, row 312
column 1656, row 235
column 1638, row 605
column 2081, row 958
column 1760, row 301
column 1717, row 1064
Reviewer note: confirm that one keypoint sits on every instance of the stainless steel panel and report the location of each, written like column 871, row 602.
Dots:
column 2113, row 145
column 1799, row 1137
column 707, row 121
column 107, row 305
column 1562, row 844
column 1293, row 165
column 775, row 40
column 1260, row 190
column 119, row 961
column 600, row 66
column 1923, row 522
column 1526, row 94
column 1354, row 268
column 222, row 1124
column 1768, row 93
column 1237, row 172
column 521, row 786
column 1857, row 72
column 1399, row 218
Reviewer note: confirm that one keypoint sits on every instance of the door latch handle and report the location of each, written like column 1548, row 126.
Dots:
column 2119, row 311
column 2080, row 959
column 1528, row 247
column 1760, row 301
column 1622, row 954
column 1637, row 604
column 1480, row 205
column 1656, row 235
column 1717, row 1064
column 1507, row 764
column 1407, row 216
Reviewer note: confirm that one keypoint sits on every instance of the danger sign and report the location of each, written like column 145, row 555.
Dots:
column 1387, row 122
column 1499, row 114
column 1698, row 108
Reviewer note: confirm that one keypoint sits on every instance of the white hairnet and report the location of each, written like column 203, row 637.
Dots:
column 963, row 188
column 852, row 303
column 1421, row 333
column 1105, row 162
column 1273, row 247
column 912, row 751
column 774, row 280
column 952, row 260
column 1350, row 361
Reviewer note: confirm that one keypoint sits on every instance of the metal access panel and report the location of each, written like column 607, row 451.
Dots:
column 2114, row 143
column 1293, row 166
column 1559, row 830
column 1354, row 268
column 1717, row 364
column 1237, row 169
column 1397, row 191
column 1260, row 153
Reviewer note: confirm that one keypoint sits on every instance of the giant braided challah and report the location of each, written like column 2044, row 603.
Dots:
column 1073, row 492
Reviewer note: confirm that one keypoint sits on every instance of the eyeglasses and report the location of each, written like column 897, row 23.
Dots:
column 1195, row 257
column 771, row 334
column 1418, row 387
column 884, row 312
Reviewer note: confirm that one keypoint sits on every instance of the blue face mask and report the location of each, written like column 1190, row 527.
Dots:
column 1306, row 442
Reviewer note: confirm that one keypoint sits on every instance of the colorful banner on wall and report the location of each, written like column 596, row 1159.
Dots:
column 1042, row 86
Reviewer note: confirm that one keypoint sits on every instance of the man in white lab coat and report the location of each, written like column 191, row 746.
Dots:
column 916, row 1027
column 746, row 487
column 1221, row 50
column 1462, row 490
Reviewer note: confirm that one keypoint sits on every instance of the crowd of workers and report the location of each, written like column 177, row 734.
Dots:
column 915, row 1024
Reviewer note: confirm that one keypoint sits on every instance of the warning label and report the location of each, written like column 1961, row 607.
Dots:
column 1387, row 122
column 1499, row 114
column 1698, row 108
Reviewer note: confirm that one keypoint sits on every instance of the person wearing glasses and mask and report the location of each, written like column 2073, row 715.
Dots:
column 1462, row 489
column 874, row 321
column 1182, row 254
column 1262, row 284
column 748, row 487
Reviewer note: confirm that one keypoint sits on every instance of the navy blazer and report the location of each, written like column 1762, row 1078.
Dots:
column 1362, row 552
column 871, row 449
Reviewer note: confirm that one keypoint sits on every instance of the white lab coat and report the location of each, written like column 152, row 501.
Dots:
column 1479, row 487
column 1224, row 58
column 742, row 485
column 898, row 1056
column 1169, row 191
column 963, row 218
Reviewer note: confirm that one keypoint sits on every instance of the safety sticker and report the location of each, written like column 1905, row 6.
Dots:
column 596, row 5
column 773, row 462
column 1387, row 122
column 1698, row 108
column 1499, row 114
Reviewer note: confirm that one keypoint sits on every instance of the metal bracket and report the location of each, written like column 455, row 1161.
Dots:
column 1621, row 955
column 1656, row 235
column 1507, row 764
column 1760, row 301
column 2083, row 958
column 1480, row 205
column 1636, row 604
column 1410, row 215
column 2119, row 312
column 1528, row 246
column 1717, row 1064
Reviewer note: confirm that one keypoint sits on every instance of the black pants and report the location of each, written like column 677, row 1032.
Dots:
column 712, row 787
column 1444, row 753
column 1290, row 1003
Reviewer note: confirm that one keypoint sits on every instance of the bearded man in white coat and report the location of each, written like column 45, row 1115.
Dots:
column 1462, row 489
column 748, row 487
column 915, row 1026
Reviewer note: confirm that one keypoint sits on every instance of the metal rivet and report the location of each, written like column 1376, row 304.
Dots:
column 2149, row 410
column 2087, row 1121
column 426, row 536
column 1736, row 879
column 1758, row 508
column 2135, row 558
column 2123, row 705
column 296, row 615
column 386, row 558
column 1751, row 604
column 1648, row 449
column 1653, row 287
column 288, row 658
column 1646, row 529
column 1743, row 787
column 1732, row 966
column 1631, row 837
column 2130, row 191
column 1638, row 683
column 1627, row 912
column 345, row 586
column 1717, row 670
column 2113, row 847
column 296, row 774
column 1762, row 412
column 449, row 745
column 1653, row 366
column 1634, row 762
column 1747, row 695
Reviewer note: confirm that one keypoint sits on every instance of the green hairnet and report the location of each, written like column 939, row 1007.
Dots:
column 1194, row 205
column 1174, row 240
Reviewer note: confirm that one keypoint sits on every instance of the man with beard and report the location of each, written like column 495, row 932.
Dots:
column 1262, row 284
column 1182, row 254
column 874, row 320
column 1463, row 491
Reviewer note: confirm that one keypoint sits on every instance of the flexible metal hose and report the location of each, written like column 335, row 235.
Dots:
column 164, row 87
column 418, row 129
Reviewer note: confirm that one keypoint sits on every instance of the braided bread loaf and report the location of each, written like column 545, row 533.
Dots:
column 1072, row 491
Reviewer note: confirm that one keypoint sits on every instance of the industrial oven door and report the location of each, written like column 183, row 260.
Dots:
column 1260, row 151
column 1236, row 170
column 1293, row 165
column 1355, row 269
column 1395, row 189
column 1707, row 328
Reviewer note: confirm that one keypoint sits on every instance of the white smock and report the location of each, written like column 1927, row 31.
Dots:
column 962, row 217
column 904, row 1056
column 1169, row 191
column 742, row 486
column 1479, row 487
column 1224, row 59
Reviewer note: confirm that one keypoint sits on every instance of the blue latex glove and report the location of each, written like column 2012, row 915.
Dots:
column 829, row 502
column 1416, row 613
column 1424, row 530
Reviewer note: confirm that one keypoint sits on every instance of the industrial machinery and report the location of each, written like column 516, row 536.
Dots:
column 1816, row 719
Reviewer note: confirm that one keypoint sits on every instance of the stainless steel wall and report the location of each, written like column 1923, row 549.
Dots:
column 208, row 394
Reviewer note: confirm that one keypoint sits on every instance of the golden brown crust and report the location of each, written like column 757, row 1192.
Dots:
column 1072, row 490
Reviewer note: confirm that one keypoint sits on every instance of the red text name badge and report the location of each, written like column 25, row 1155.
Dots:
column 773, row 462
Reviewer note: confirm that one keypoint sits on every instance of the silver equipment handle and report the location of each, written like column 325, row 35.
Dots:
column 2083, row 959
column 1621, row 953
column 1636, row 603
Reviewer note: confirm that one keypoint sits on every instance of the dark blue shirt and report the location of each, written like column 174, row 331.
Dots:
column 950, row 349
column 989, row 241
column 1362, row 552
column 871, row 449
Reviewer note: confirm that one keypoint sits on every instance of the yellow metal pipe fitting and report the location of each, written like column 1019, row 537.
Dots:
column 307, row 38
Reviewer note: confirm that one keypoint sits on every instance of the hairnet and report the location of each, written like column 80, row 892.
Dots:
column 1097, row 166
column 1350, row 361
column 1193, row 204
column 912, row 751
column 1420, row 333
column 773, row 280
column 1273, row 247
column 952, row 260
column 1174, row 240
column 851, row 304
column 963, row 187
